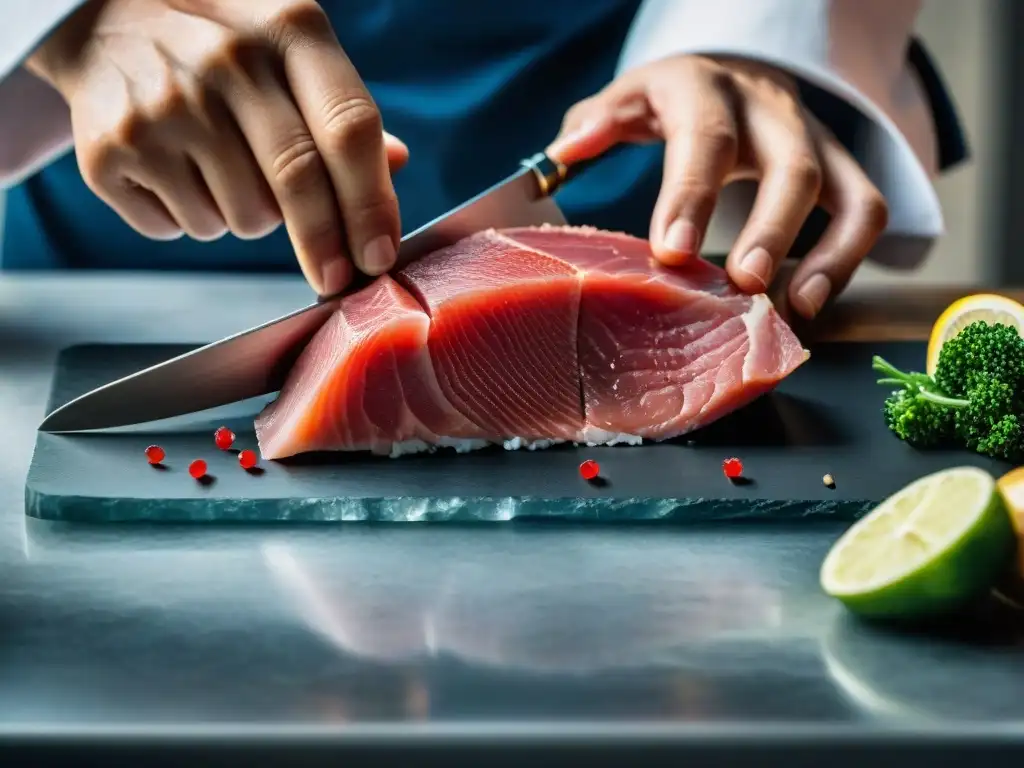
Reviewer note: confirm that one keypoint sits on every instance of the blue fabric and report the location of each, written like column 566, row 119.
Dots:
column 472, row 87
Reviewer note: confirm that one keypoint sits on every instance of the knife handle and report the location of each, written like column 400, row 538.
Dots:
column 551, row 174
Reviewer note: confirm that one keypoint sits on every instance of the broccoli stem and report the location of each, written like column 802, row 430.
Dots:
column 894, row 375
column 920, row 382
column 950, row 402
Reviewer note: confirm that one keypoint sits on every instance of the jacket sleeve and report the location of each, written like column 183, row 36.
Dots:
column 850, row 54
column 35, row 126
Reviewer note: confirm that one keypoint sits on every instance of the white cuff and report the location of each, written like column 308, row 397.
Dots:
column 34, row 123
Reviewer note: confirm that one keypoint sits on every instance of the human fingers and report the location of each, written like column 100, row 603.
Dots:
column 341, row 138
column 690, row 105
column 138, row 207
column 696, row 116
column 126, row 159
column 859, row 216
column 161, row 198
column 615, row 115
column 781, row 148
column 291, row 164
column 177, row 183
column 227, row 166
column 347, row 129
column 284, row 150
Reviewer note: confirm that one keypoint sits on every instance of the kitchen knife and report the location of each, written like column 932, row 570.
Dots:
column 255, row 362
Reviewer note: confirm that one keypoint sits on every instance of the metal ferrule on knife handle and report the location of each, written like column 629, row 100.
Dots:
column 550, row 173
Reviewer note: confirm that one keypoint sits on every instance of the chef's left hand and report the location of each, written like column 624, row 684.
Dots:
column 724, row 120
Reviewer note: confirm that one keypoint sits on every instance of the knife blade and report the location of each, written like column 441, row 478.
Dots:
column 255, row 361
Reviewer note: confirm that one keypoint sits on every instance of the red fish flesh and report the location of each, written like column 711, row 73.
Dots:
column 529, row 337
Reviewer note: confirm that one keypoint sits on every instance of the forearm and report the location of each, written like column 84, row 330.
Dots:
column 35, row 126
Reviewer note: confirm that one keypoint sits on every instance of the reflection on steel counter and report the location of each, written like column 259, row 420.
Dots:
column 502, row 613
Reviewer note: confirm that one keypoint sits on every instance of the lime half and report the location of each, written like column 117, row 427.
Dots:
column 926, row 550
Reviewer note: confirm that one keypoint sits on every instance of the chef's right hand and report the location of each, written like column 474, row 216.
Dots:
column 207, row 116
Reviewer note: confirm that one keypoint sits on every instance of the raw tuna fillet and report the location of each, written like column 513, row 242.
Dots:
column 529, row 337
column 503, row 335
column 364, row 382
column 663, row 351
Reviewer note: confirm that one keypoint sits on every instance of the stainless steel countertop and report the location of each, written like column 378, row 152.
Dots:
column 331, row 631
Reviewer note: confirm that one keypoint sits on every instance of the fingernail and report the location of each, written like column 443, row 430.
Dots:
column 681, row 237
column 758, row 264
column 390, row 138
column 379, row 255
column 813, row 294
column 335, row 275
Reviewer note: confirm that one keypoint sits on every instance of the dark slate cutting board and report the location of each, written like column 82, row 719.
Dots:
column 824, row 419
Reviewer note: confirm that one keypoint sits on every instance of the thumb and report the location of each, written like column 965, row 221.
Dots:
column 617, row 115
column 583, row 140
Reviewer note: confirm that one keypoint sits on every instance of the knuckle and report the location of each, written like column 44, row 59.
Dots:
column 130, row 132
column 696, row 64
column 775, row 235
column 804, row 173
column 373, row 210
column 718, row 136
column 316, row 234
column 708, row 70
column 352, row 124
column 694, row 192
column 97, row 162
column 297, row 20
column 297, row 167
column 169, row 104
column 228, row 60
column 718, row 77
column 874, row 211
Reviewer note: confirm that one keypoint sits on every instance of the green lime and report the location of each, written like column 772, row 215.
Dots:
column 926, row 550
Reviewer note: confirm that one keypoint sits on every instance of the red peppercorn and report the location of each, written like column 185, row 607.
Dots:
column 197, row 469
column 224, row 438
column 590, row 469
column 247, row 459
column 155, row 454
column 732, row 468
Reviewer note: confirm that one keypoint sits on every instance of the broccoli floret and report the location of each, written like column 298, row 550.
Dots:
column 981, row 350
column 909, row 414
column 920, row 422
column 985, row 419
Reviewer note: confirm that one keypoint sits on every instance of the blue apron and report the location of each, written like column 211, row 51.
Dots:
column 472, row 87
